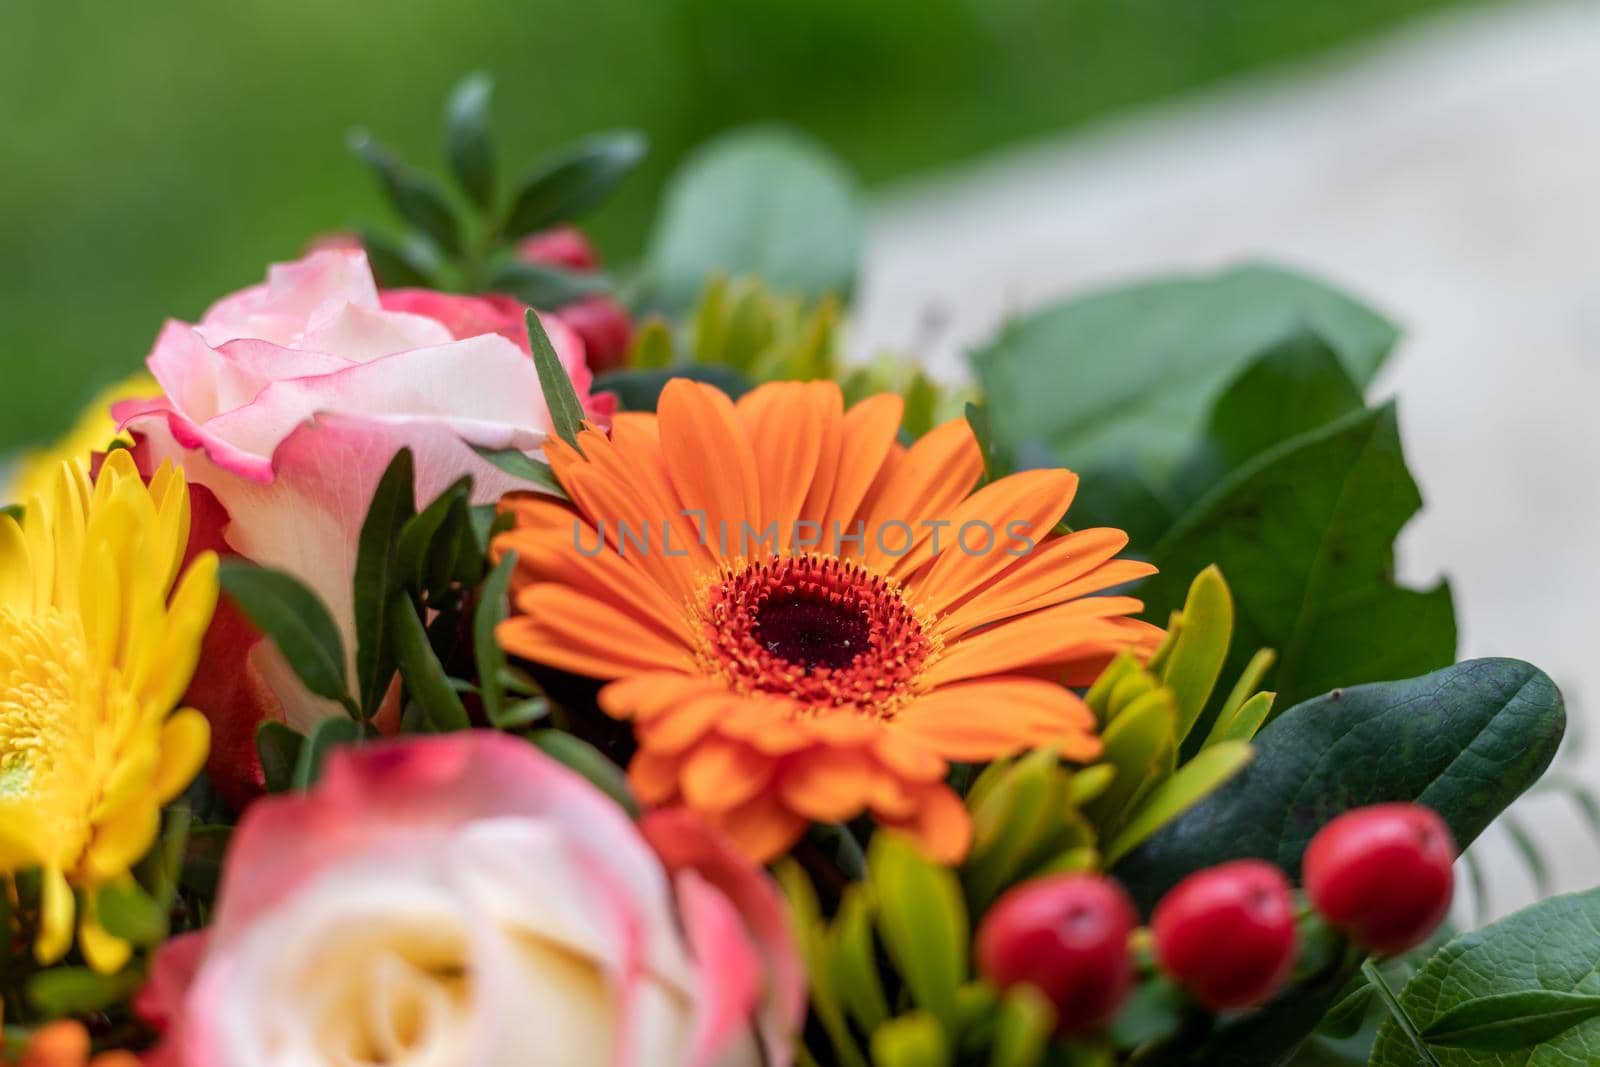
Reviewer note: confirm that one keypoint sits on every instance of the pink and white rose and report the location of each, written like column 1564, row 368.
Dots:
column 288, row 400
column 466, row 900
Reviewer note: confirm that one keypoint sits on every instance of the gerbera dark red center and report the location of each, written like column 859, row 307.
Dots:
column 821, row 629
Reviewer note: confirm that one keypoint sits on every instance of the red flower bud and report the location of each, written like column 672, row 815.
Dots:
column 605, row 327
column 1066, row 935
column 1382, row 875
column 1227, row 934
column 559, row 246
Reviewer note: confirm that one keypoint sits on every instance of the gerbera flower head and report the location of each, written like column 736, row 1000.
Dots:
column 96, row 649
column 805, row 620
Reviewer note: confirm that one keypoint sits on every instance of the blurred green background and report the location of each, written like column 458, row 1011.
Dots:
column 159, row 155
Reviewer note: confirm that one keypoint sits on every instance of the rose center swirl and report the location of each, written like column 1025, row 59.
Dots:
column 822, row 630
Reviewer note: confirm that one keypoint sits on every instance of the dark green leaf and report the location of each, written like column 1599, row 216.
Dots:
column 326, row 736
column 584, row 758
column 640, row 390
column 413, row 195
column 1520, row 992
column 378, row 575
column 128, row 912
column 430, row 541
column 78, row 990
column 278, row 746
column 575, row 181
column 1304, row 534
column 419, row 666
column 1466, row 741
column 296, row 621
column 469, row 140
column 1350, row 1010
column 1129, row 373
column 202, row 859
column 765, row 203
column 1155, row 1012
column 400, row 263
column 543, row 286
column 1297, row 385
column 521, row 465
column 566, row 413
column 491, row 659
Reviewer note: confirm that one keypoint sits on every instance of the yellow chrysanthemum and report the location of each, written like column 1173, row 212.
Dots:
column 94, row 430
column 96, row 649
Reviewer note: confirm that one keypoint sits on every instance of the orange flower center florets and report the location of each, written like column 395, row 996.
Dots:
column 820, row 629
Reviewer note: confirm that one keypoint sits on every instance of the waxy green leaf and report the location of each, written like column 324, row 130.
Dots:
column 378, row 575
column 295, row 620
column 570, row 184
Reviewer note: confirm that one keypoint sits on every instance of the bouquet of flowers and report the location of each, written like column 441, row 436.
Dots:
column 450, row 653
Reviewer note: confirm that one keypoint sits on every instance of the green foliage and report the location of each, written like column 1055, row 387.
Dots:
column 1466, row 741
column 326, row 736
column 566, row 412
column 1157, row 354
column 419, row 203
column 295, row 620
column 573, row 182
column 1521, row 991
column 587, row 760
column 763, row 202
column 469, row 139
column 378, row 577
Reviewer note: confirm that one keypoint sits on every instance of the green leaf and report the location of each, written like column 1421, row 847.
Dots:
column 587, row 760
column 640, row 390
column 1465, row 741
column 1192, row 782
column 1510, row 1022
column 1297, row 385
column 1305, row 534
column 296, row 621
column 469, row 140
column 566, row 413
column 1195, row 661
column 203, row 859
column 914, row 1040
column 543, row 286
column 855, row 964
column 128, row 912
column 761, row 202
column 326, row 736
column 1155, row 1012
column 574, row 181
column 1130, row 373
column 278, row 748
column 400, row 263
column 62, row 991
column 491, row 611
column 424, row 676
column 377, row 576
column 413, row 195
column 923, row 920
column 430, row 539
column 1243, row 724
column 1522, row 991
column 1022, row 1028
column 521, row 465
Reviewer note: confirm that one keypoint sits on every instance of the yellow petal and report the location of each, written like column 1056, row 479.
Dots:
column 185, row 739
column 123, row 841
column 104, row 951
column 56, row 909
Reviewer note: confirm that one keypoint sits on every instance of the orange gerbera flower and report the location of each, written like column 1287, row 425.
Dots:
column 805, row 620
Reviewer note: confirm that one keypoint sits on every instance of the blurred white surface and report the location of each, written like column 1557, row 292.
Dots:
column 1451, row 176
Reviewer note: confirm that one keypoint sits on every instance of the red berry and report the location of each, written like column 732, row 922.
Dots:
column 1382, row 875
column 559, row 246
column 1066, row 935
column 1227, row 934
column 605, row 328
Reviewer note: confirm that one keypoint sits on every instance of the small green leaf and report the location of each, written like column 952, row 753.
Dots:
column 923, row 920
column 1141, row 743
column 62, row 991
column 278, row 747
column 855, row 965
column 128, row 912
column 914, row 1040
column 573, row 182
column 521, row 465
column 546, row 287
column 584, row 758
column 377, row 576
column 1022, row 1028
column 1192, row 783
column 1155, row 1012
column 202, row 859
column 1248, row 684
column 491, row 611
column 326, row 736
column 429, row 539
column 566, row 413
column 1195, row 661
column 811, row 934
column 424, row 676
column 469, row 140
column 296, row 621
column 1244, row 723
column 1510, row 1022
column 413, row 195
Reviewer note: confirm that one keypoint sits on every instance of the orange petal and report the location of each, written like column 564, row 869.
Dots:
column 1076, row 629
column 997, row 717
column 762, row 829
column 566, row 629
column 653, row 777
column 642, row 696
column 939, row 825
column 708, row 458
column 862, row 446
column 989, row 529
column 828, row 785
column 718, row 774
column 786, row 423
column 934, row 476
